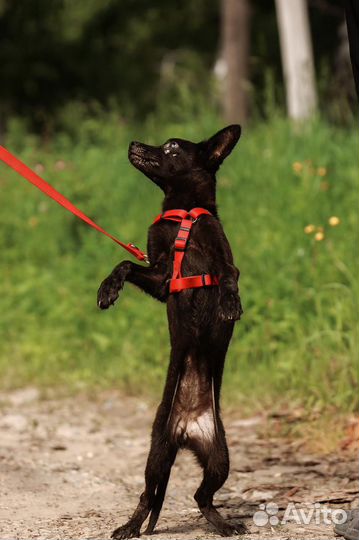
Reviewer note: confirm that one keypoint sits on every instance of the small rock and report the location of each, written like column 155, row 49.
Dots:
column 68, row 432
column 23, row 396
column 18, row 422
column 247, row 422
column 142, row 406
column 66, row 516
column 59, row 447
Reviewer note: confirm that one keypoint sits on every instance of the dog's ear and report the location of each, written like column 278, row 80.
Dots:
column 218, row 147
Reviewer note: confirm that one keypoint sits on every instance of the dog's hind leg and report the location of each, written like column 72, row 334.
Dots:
column 159, row 463
column 215, row 462
column 158, row 502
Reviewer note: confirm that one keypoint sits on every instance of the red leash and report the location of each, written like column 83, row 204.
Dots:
column 186, row 220
column 29, row 175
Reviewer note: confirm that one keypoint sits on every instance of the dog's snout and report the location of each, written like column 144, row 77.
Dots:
column 134, row 149
column 133, row 145
column 143, row 157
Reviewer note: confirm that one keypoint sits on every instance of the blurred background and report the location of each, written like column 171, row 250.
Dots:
column 79, row 80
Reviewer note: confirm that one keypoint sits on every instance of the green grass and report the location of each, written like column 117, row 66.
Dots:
column 298, row 337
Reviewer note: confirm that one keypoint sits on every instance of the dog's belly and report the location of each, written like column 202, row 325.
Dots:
column 192, row 416
column 200, row 428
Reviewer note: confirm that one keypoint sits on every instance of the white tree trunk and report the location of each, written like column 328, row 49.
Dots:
column 297, row 58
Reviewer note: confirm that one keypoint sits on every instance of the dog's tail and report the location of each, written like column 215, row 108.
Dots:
column 157, row 504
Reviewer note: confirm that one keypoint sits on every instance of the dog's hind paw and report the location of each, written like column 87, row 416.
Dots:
column 230, row 307
column 240, row 528
column 129, row 530
column 226, row 529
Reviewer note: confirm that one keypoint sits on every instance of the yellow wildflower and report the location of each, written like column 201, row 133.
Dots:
column 309, row 229
column 297, row 167
column 334, row 221
column 319, row 236
column 322, row 171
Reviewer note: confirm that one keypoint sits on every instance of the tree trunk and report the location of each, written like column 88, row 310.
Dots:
column 235, row 56
column 352, row 15
column 297, row 58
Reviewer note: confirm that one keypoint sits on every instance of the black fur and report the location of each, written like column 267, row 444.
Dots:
column 200, row 322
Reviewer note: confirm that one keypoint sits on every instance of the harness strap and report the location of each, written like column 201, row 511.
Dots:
column 186, row 220
column 173, row 215
column 193, row 282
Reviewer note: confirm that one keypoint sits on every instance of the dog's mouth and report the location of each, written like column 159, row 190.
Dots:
column 137, row 158
column 141, row 157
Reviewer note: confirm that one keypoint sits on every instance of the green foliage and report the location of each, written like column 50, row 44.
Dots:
column 53, row 53
column 133, row 53
column 298, row 337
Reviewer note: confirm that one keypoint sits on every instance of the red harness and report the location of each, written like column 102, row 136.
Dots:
column 186, row 220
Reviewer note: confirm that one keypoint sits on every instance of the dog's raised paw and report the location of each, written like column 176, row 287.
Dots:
column 107, row 294
column 230, row 307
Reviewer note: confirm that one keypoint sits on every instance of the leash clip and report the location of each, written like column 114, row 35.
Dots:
column 143, row 256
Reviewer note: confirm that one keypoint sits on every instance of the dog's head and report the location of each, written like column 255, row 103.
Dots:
column 177, row 160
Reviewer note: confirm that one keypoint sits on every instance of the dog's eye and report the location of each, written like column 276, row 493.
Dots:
column 169, row 147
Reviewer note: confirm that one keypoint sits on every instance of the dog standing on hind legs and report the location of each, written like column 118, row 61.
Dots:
column 191, row 269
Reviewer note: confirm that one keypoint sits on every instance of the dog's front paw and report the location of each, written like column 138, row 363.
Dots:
column 107, row 293
column 230, row 307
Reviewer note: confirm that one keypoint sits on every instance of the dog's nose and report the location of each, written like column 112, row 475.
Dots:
column 134, row 147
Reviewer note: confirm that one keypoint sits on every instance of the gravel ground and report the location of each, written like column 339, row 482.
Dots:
column 73, row 468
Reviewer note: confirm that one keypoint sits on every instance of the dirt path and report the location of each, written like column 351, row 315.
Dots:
column 73, row 468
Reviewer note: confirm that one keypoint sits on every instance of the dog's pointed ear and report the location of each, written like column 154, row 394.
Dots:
column 218, row 147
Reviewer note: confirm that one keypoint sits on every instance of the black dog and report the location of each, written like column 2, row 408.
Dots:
column 201, row 318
